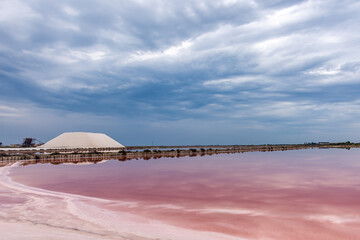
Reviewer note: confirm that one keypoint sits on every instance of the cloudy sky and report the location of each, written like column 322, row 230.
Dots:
column 182, row 71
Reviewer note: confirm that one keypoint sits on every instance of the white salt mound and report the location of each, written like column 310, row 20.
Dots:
column 82, row 140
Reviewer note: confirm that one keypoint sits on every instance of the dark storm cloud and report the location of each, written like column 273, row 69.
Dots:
column 261, row 64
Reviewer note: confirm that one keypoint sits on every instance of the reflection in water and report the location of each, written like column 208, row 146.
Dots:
column 305, row 194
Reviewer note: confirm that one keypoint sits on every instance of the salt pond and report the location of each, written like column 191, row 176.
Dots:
column 300, row 194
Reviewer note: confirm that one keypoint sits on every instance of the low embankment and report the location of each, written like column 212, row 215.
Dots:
column 146, row 152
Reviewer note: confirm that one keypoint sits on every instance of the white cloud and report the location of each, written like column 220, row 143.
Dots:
column 66, row 55
column 71, row 11
column 16, row 19
column 322, row 71
column 294, row 14
column 61, row 24
column 231, row 83
column 9, row 112
column 16, row 12
column 170, row 52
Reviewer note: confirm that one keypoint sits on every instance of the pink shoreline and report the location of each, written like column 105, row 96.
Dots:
column 78, row 217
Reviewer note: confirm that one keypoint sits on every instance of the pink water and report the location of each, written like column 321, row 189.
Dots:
column 303, row 194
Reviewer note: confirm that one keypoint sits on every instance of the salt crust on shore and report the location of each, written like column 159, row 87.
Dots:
column 82, row 140
column 33, row 213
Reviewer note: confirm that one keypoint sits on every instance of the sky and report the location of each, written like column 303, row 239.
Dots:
column 181, row 72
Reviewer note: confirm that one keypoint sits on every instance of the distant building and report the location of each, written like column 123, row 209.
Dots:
column 322, row 143
column 29, row 142
column 15, row 145
column 0, row 144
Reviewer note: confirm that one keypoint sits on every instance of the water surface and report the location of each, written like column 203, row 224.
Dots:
column 300, row 194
